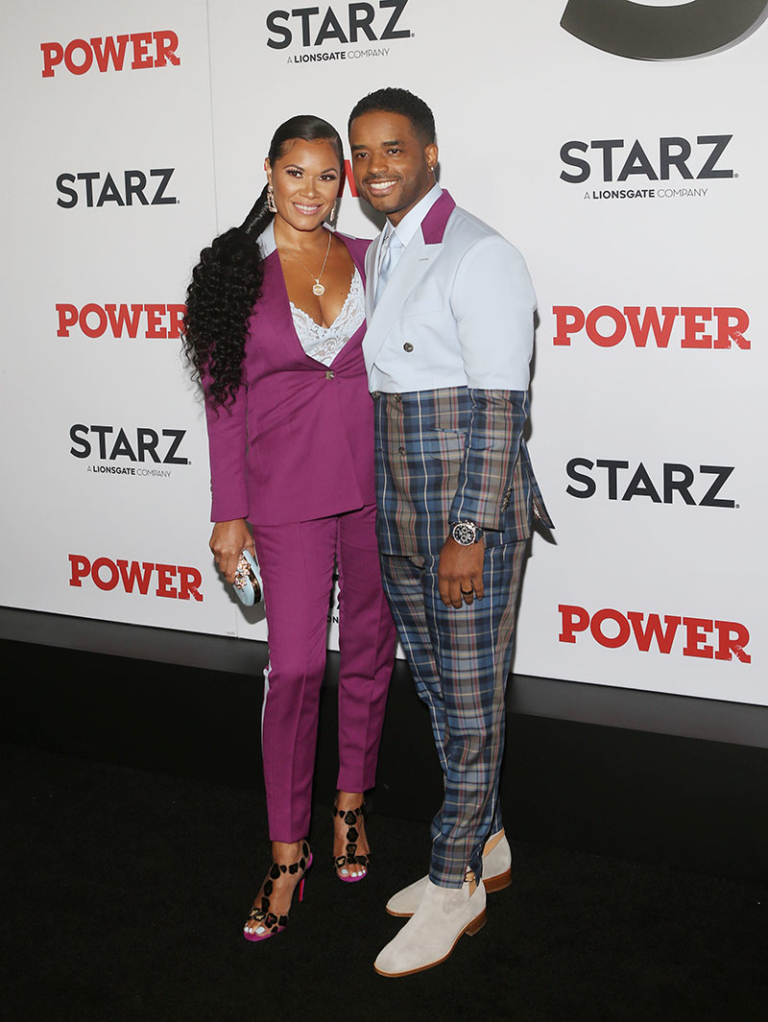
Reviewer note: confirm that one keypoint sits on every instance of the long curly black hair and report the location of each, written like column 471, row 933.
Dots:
column 226, row 283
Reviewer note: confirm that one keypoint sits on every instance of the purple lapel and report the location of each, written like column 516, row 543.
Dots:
column 352, row 349
column 357, row 248
column 434, row 223
column 274, row 306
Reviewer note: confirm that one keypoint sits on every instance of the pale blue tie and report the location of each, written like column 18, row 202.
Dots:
column 391, row 251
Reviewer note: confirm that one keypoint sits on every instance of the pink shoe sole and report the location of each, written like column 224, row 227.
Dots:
column 353, row 880
column 254, row 938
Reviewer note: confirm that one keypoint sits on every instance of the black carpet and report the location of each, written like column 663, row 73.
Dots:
column 125, row 894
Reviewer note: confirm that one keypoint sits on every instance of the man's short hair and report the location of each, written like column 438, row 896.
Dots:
column 399, row 101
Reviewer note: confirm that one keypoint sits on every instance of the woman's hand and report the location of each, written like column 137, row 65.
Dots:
column 228, row 540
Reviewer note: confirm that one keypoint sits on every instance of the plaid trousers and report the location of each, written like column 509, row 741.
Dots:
column 459, row 658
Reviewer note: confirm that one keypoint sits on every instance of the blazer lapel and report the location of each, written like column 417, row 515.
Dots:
column 351, row 350
column 419, row 254
column 360, row 261
column 275, row 307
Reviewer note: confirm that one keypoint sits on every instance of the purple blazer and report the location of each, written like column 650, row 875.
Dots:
column 297, row 443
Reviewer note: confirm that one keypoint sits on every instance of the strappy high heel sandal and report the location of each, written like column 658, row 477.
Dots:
column 351, row 818
column 268, row 923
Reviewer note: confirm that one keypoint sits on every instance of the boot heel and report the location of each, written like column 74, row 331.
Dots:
column 498, row 883
column 476, row 925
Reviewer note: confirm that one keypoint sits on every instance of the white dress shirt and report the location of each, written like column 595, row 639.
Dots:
column 411, row 222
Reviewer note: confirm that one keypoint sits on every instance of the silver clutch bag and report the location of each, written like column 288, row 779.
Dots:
column 248, row 584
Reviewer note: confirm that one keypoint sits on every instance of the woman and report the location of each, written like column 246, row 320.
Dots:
column 274, row 327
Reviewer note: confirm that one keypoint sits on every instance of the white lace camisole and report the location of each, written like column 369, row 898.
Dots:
column 323, row 343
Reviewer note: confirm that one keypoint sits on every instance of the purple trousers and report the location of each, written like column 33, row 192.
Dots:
column 297, row 562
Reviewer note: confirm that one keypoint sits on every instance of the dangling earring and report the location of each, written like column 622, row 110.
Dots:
column 271, row 200
column 332, row 215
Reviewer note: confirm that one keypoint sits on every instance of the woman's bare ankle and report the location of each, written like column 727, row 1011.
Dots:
column 349, row 799
column 286, row 852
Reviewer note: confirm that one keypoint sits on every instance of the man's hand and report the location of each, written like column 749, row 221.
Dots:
column 460, row 572
column 228, row 540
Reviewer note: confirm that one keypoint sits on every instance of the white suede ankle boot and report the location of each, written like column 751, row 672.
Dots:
column 428, row 938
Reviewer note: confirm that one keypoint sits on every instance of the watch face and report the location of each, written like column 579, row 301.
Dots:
column 464, row 533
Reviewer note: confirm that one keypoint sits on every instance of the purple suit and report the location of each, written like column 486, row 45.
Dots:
column 309, row 429
column 294, row 455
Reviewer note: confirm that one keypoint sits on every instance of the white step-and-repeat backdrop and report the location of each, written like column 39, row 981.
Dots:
column 620, row 145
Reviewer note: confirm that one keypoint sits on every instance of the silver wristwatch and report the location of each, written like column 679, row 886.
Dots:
column 465, row 533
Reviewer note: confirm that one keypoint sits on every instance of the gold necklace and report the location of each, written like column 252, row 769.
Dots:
column 317, row 288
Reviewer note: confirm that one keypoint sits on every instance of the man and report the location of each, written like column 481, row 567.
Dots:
column 450, row 335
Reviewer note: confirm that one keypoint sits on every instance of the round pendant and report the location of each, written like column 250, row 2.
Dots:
column 318, row 289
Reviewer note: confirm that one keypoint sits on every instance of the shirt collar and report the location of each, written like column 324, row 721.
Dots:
column 267, row 238
column 411, row 222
